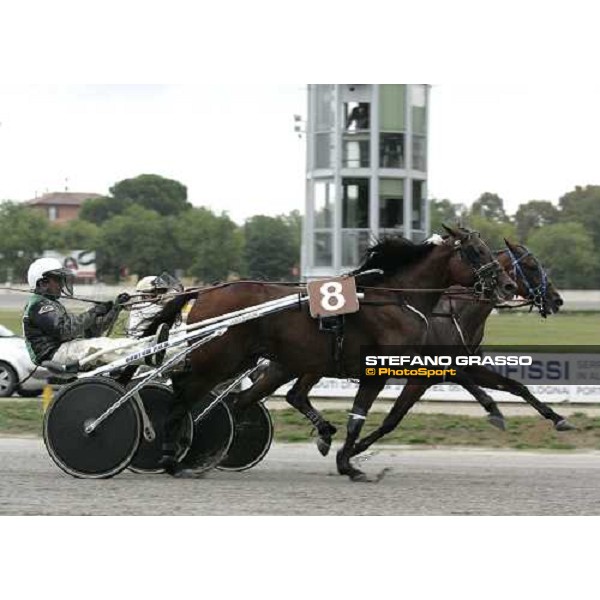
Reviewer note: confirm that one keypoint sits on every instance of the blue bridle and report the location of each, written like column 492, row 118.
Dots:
column 536, row 294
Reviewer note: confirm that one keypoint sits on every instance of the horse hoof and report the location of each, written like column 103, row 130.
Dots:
column 564, row 425
column 323, row 446
column 497, row 422
column 359, row 476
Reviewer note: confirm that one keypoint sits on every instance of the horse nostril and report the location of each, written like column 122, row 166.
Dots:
column 559, row 302
column 510, row 288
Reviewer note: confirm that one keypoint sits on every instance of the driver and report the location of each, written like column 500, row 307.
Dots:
column 153, row 289
column 52, row 333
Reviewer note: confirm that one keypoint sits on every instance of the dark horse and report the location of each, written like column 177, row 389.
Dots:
column 458, row 320
column 533, row 285
column 292, row 338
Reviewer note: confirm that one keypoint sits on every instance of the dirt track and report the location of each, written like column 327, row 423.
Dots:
column 294, row 479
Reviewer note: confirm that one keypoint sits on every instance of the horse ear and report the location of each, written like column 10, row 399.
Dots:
column 452, row 231
column 510, row 246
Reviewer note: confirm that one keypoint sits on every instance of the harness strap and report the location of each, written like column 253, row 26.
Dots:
column 417, row 312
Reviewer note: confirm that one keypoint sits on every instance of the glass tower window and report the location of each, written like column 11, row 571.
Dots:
column 418, row 152
column 356, row 152
column 324, row 108
column 391, row 204
column 354, row 246
column 323, row 249
column 358, row 116
column 324, row 200
column 322, row 151
column 418, row 109
column 391, row 151
column 355, row 203
column 418, row 204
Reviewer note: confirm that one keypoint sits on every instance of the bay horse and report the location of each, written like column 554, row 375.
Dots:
column 458, row 320
column 292, row 338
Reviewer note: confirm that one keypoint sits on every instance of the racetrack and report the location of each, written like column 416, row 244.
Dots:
column 295, row 480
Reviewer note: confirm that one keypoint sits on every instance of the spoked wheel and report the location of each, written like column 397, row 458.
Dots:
column 252, row 437
column 156, row 398
column 110, row 447
column 213, row 435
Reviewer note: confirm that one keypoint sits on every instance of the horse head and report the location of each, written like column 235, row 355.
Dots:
column 532, row 280
column 474, row 264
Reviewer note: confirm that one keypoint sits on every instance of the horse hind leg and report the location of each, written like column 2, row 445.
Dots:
column 269, row 380
column 297, row 397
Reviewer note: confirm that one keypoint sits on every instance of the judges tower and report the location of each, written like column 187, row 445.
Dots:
column 366, row 171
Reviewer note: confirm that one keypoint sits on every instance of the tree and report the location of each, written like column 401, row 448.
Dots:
column 444, row 212
column 492, row 232
column 293, row 221
column 210, row 245
column 271, row 249
column 582, row 205
column 566, row 251
column 165, row 196
column 153, row 192
column 489, row 206
column 74, row 235
column 100, row 210
column 140, row 240
column 534, row 214
column 24, row 235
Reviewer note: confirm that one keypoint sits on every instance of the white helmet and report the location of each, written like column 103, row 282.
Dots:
column 163, row 282
column 146, row 284
column 42, row 267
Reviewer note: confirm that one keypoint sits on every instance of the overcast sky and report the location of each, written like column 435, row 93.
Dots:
column 235, row 149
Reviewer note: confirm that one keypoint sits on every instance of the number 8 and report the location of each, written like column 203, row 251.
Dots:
column 327, row 295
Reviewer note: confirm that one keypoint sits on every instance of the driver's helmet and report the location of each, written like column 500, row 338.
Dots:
column 147, row 285
column 42, row 268
column 158, row 284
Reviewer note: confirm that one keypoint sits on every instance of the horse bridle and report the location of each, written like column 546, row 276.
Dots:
column 536, row 294
column 486, row 274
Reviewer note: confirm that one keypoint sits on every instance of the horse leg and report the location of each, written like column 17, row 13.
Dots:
column 495, row 417
column 268, row 381
column 297, row 397
column 492, row 380
column 367, row 392
column 411, row 393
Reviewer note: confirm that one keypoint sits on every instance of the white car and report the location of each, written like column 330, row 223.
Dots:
column 15, row 366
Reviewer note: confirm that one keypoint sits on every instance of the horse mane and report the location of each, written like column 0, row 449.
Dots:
column 170, row 312
column 392, row 254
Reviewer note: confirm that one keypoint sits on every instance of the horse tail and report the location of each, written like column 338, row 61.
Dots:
column 170, row 312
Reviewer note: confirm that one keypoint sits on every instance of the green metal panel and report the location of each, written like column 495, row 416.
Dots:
column 392, row 102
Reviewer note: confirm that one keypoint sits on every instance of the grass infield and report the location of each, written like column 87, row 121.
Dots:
column 25, row 418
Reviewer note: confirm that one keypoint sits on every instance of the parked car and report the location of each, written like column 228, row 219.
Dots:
column 16, row 366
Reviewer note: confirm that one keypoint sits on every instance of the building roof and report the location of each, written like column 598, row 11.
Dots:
column 62, row 198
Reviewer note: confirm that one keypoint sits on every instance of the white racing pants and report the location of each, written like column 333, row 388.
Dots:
column 112, row 347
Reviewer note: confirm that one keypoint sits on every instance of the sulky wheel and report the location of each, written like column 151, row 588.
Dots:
column 156, row 398
column 110, row 447
column 213, row 435
column 252, row 436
